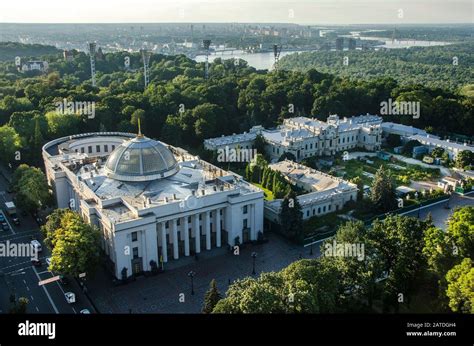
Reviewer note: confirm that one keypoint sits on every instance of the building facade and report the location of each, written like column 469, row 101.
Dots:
column 150, row 201
column 305, row 137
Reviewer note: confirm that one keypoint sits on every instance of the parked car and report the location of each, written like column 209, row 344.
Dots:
column 36, row 263
column 48, row 261
column 70, row 297
column 5, row 226
column 85, row 311
column 36, row 245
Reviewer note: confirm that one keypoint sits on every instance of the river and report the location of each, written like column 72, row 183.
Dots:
column 265, row 60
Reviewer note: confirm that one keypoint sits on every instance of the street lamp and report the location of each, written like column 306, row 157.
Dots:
column 191, row 275
column 254, row 256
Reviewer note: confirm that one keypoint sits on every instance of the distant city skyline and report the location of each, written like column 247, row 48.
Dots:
column 307, row 12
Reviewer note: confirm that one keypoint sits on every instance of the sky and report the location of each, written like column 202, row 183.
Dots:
column 243, row 11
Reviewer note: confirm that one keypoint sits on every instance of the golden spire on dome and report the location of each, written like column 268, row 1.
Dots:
column 139, row 130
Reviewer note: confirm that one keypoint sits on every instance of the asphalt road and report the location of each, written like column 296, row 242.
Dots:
column 441, row 212
column 19, row 277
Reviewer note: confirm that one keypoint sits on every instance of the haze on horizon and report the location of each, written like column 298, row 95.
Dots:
column 239, row 11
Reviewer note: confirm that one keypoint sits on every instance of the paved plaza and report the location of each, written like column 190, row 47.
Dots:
column 162, row 293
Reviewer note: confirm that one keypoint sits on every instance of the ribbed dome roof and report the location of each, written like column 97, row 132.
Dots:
column 141, row 159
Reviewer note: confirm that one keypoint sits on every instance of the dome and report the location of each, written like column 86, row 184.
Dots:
column 141, row 159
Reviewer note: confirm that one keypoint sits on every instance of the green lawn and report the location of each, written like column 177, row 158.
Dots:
column 268, row 194
column 355, row 168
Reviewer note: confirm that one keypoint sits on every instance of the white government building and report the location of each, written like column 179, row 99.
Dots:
column 305, row 137
column 324, row 193
column 150, row 201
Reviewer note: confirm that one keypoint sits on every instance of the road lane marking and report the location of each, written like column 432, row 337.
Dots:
column 46, row 291
column 32, row 298
column 17, row 264
column 37, row 308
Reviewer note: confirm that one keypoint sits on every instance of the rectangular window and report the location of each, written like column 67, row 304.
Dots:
column 167, row 224
column 97, row 148
column 245, row 223
column 324, row 209
column 106, row 148
column 189, row 219
column 329, row 207
column 178, row 222
column 135, row 252
column 245, row 209
column 113, row 147
column 307, row 213
column 82, row 150
column 200, row 217
column 134, row 236
column 319, row 210
column 89, row 149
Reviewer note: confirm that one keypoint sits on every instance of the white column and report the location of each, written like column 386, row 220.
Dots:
column 197, row 234
column 207, row 229
column 218, row 227
column 186, row 236
column 164, row 246
column 253, row 235
column 174, row 229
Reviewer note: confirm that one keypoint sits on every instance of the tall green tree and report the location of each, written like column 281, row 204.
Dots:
column 76, row 246
column 382, row 191
column 211, row 298
column 291, row 217
column 10, row 144
column 32, row 188
column 460, row 291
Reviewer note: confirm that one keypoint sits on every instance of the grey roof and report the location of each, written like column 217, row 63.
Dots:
column 141, row 159
column 429, row 140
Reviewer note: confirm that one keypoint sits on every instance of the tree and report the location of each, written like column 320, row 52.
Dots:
column 287, row 156
column 460, row 231
column 53, row 226
column 211, row 298
column 464, row 159
column 259, row 144
column 20, row 306
column 437, row 152
column 408, row 147
column 76, row 246
column 10, row 143
column 398, row 242
column 360, row 187
column 32, row 188
column 291, row 217
column 460, row 291
column 382, row 191
column 305, row 286
column 60, row 125
column 393, row 140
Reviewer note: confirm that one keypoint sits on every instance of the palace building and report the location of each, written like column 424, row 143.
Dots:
column 305, row 137
column 151, row 202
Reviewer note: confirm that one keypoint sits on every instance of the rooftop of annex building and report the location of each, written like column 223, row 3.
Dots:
column 316, row 180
